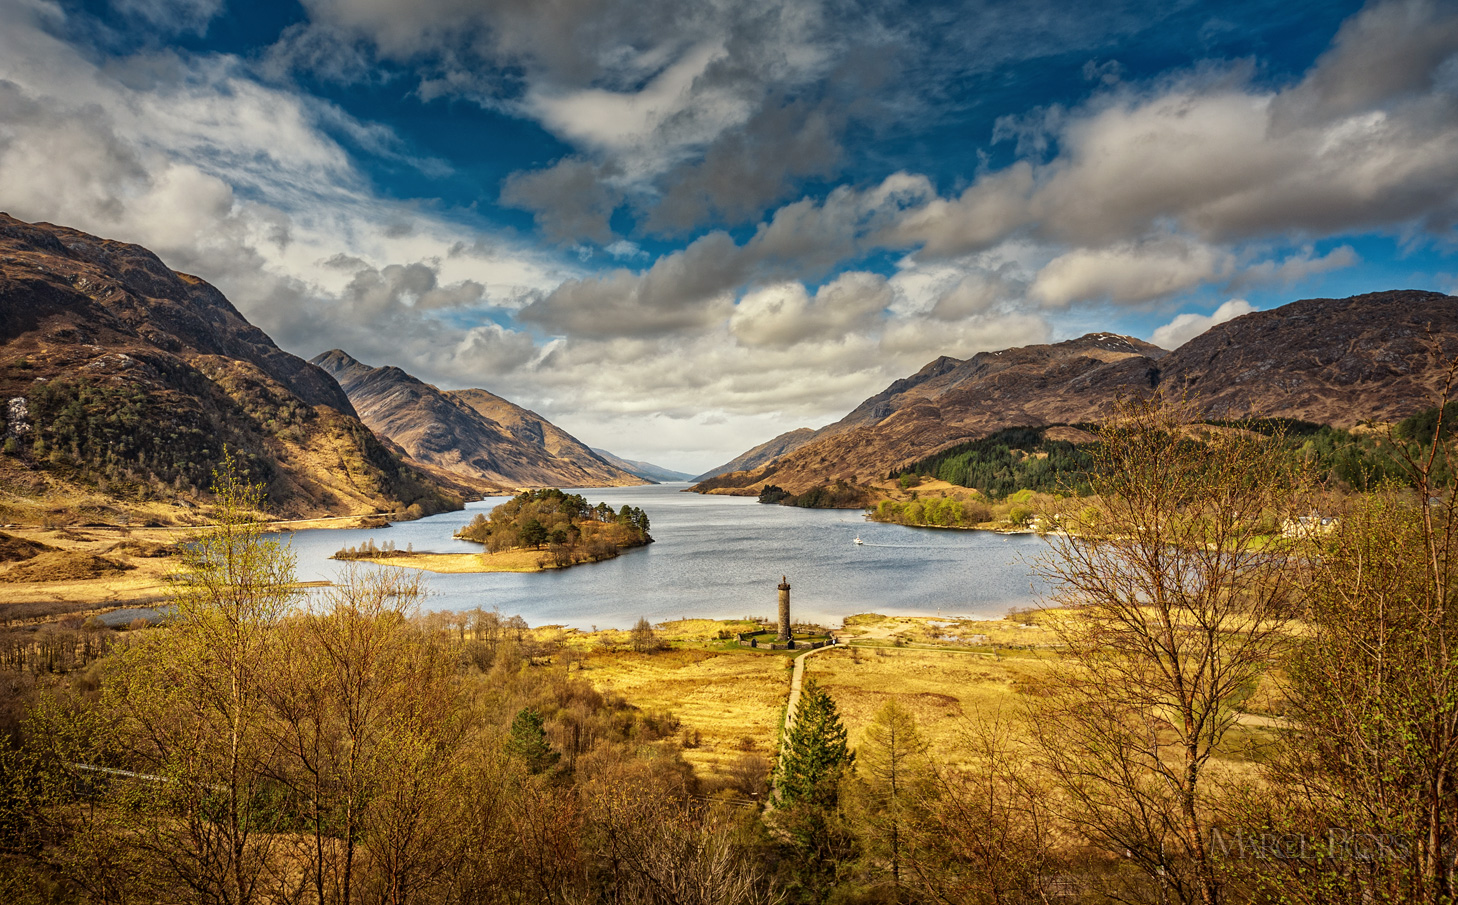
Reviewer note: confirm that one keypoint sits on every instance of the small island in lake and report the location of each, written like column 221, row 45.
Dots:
column 537, row 530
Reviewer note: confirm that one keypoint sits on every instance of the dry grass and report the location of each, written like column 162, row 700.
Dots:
column 945, row 690
column 729, row 702
column 948, row 631
column 734, row 698
column 76, row 586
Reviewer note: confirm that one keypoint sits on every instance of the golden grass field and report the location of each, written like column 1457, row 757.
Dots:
column 75, row 589
column 75, row 586
column 945, row 690
column 734, row 698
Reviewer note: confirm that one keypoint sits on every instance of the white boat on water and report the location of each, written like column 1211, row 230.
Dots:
column 858, row 540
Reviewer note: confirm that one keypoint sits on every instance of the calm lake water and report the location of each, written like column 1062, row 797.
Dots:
column 721, row 557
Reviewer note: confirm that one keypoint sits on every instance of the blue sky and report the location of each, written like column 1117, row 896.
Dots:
column 680, row 229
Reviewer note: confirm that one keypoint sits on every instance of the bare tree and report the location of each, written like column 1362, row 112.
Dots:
column 365, row 712
column 658, row 847
column 1374, row 689
column 985, row 831
column 190, row 703
column 644, row 639
column 1175, row 590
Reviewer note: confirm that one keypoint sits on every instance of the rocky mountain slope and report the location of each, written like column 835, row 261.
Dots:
column 1336, row 361
column 763, row 453
column 469, row 434
column 125, row 380
column 645, row 470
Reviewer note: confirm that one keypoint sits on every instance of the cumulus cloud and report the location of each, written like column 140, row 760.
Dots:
column 697, row 285
column 1186, row 327
column 569, row 200
column 786, row 314
column 749, row 166
column 1296, row 267
column 1364, row 141
column 684, row 290
column 1129, row 271
column 660, row 97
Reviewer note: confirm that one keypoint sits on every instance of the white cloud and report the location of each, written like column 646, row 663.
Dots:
column 1129, row 272
column 175, row 16
column 1296, row 267
column 1186, row 327
column 1364, row 141
column 785, row 314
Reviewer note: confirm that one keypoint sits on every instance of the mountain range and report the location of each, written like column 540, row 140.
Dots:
column 471, row 435
column 1374, row 357
column 657, row 474
column 125, row 382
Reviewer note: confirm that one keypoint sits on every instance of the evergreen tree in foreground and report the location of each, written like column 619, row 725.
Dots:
column 813, row 761
column 815, row 753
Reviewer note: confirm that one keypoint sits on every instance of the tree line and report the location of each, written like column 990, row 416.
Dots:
column 1023, row 458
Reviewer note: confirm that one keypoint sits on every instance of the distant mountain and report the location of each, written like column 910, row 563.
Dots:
column 765, row 452
column 126, row 381
column 471, row 435
column 1335, row 361
column 645, row 470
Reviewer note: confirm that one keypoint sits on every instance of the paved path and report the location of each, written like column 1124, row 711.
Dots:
column 795, row 681
column 794, row 702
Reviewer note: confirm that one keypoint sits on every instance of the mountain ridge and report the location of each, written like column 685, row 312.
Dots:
column 471, row 435
column 656, row 474
column 129, row 380
column 1375, row 356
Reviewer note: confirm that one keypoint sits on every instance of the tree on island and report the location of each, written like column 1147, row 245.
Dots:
column 577, row 531
column 533, row 534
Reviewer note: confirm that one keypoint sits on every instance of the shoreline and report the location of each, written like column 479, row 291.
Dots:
column 518, row 561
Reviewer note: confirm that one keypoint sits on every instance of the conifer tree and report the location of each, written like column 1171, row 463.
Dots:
column 815, row 753
column 894, row 774
column 813, row 761
column 528, row 741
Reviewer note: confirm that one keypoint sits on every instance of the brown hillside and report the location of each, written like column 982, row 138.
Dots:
column 1334, row 361
column 129, row 380
column 469, row 434
column 763, row 453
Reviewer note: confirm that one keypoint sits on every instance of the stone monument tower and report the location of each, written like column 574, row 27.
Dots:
column 784, row 609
